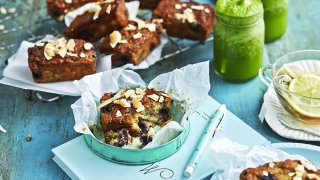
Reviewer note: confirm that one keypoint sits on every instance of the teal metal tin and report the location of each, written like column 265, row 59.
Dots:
column 137, row 156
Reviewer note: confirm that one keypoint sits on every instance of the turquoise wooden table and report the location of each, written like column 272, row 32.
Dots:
column 51, row 124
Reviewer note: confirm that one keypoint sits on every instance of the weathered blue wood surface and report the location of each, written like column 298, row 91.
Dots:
column 52, row 124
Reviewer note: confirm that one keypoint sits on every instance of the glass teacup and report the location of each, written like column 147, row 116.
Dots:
column 296, row 80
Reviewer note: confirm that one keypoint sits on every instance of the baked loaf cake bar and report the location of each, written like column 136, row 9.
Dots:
column 133, row 43
column 130, row 118
column 61, row 60
column 190, row 20
column 283, row 170
column 58, row 8
column 98, row 21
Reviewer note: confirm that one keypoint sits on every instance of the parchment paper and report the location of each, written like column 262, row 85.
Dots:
column 188, row 85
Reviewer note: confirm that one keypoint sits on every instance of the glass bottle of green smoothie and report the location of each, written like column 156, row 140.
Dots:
column 238, row 39
column 275, row 18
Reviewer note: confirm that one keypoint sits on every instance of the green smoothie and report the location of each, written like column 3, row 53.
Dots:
column 275, row 18
column 238, row 39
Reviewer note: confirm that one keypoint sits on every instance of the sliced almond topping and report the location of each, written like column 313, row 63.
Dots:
column 299, row 168
column 68, row 1
column 48, row 52
column 88, row 46
column 108, row 10
column 82, row 55
column 115, row 38
column 184, row 5
column 70, row 45
column 186, row 16
column 2, row 27
column 265, row 173
column 313, row 176
column 72, row 54
column 137, row 105
column 129, row 92
column 123, row 102
column 161, row 99
column 135, row 96
column 178, row 6
column 2, row 129
column 153, row 97
column 119, row 94
column 60, row 18
column 207, row 10
column 297, row 178
column 139, row 91
column 271, row 165
column 118, row 114
column 130, row 27
column 309, row 166
column 62, row 52
column 123, row 41
column 137, row 36
column 197, row 7
column 291, row 174
column 141, row 25
column 150, row 27
column 157, row 21
column 96, row 10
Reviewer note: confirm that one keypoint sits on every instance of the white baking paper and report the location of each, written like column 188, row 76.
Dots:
column 132, row 6
column 232, row 158
column 189, row 86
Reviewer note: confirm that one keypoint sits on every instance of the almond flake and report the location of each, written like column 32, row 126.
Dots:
column 157, row 21
column 62, row 52
column 49, row 51
column 88, row 46
column 271, row 165
column 70, row 45
column 291, row 174
column 115, row 38
column 108, row 10
column 297, row 178
column 123, row 41
column 151, row 132
column 207, row 10
column 197, row 7
column 139, row 91
column 138, row 105
column 2, row 27
column 186, row 16
column 118, row 114
column 3, row 10
column 309, row 166
column 130, row 27
column 154, row 97
column 72, row 54
column 137, row 36
column 313, row 176
column 299, row 168
column 129, row 92
column 265, row 173
column 82, row 55
column 161, row 99
column 177, row 6
column 184, row 5
column 60, row 18
column 119, row 94
column 2, row 129
column 96, row 10
column 68, row 1
column 165, row 95
column 122, row 102
column 12, row 10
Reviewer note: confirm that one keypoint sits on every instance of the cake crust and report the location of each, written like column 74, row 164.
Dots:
column 73, row 65
column 190, row 20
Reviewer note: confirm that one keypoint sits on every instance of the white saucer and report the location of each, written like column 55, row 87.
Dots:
column 272, row 108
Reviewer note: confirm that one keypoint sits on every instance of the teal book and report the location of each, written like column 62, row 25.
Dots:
column 79, row 162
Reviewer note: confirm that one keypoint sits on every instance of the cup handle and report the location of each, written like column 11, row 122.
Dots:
column 266, row 79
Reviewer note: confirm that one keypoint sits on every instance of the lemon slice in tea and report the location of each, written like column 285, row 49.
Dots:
column 307, row 85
